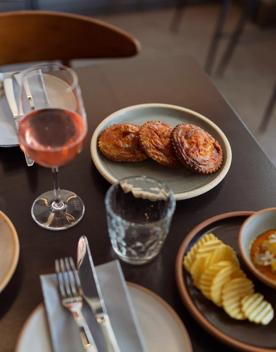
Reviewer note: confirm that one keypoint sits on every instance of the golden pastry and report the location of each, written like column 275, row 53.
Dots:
column 120, row 142
column 196, row 149
column 155, row 139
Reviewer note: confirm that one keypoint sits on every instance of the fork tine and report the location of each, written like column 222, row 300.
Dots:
column 76, row 274
column 60, row 279
column 72, row 299
column 65, row 278
column 71, row 277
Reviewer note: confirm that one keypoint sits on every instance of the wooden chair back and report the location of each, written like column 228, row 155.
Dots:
column 27, row 36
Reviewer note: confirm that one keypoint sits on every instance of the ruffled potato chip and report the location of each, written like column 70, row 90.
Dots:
column 208, row 276
column 196, row 270
column 208, row 253
column 222, row 252
column 232, row 294
column 256, row 309
column 223, row 276
column 190, row 257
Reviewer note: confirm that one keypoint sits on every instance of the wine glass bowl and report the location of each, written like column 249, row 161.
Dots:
column 52, row 137
column 52, row 132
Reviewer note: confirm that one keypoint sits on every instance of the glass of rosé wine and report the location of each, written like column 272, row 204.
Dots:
column 52, row 132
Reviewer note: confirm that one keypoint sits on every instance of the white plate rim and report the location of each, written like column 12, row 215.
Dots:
column 170, row 310
column 178, row 196
column 14, row 236
column 138, row 287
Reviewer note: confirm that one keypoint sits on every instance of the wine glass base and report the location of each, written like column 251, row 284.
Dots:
column 54, row 216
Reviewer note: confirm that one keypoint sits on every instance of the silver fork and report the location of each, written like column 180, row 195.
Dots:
column 72, row 299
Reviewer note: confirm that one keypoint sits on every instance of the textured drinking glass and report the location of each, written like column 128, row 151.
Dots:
column 139, row 212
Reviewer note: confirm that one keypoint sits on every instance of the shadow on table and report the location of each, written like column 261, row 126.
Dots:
column 13, row 161
column 99, row 180
column 201, row 201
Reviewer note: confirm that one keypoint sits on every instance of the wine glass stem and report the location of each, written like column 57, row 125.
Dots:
column 58, row 203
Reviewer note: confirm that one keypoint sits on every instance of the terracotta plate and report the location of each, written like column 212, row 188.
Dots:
column 243, row 335
column 182, row 182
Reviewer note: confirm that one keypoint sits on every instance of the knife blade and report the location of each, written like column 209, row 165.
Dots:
column 9, row 93
column 92, row 293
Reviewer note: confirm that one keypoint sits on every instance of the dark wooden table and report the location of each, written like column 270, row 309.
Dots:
column 108, row 86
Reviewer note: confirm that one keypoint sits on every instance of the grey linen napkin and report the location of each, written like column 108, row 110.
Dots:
column 8, row 130
column 8, row 133
column 41, row 98
column 63, row 330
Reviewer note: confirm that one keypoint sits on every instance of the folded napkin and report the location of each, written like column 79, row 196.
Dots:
column 63, row 330
column 8, row 133
column 8, row 130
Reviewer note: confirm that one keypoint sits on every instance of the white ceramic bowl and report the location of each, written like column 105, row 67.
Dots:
column 255, row 225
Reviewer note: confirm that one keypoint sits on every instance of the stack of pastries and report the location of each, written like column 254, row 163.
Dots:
column 185, row 145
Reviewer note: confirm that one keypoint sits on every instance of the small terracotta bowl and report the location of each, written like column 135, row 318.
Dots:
column 254, row 226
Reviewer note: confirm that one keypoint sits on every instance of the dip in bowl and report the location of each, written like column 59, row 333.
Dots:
column 257, row 242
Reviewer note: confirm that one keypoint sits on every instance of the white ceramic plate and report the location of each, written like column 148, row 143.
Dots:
column 161, row 327
column 9, row 250
column 183, row 183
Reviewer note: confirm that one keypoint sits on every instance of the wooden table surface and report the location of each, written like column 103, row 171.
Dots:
column 108, row 86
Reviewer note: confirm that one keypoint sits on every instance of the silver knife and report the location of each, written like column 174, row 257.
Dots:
column 9, row 93
column 92, row 293
column 35, row 82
